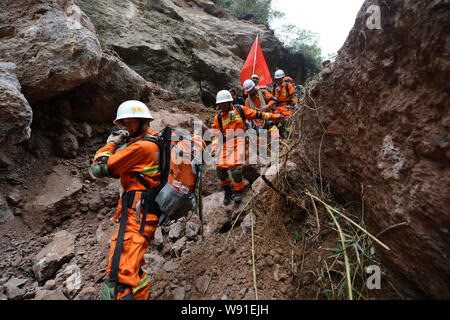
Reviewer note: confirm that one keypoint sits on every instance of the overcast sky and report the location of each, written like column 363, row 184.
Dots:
column 331, row 19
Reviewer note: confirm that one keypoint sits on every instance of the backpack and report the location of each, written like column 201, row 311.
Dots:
column 181, row 173
column 286, row 80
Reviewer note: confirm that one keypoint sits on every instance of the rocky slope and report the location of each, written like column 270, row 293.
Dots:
column 382, row 111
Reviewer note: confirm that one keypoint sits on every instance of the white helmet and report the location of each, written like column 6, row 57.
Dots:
column 279, row 74
column 255, row 76
column 223, row 96
column 248, row 85
column 132, row 109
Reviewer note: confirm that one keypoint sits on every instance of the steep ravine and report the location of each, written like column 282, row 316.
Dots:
column 383, row 159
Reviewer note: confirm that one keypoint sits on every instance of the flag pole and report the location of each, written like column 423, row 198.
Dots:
column 256, row 50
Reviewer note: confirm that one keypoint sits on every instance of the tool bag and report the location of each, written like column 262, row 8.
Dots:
column 181, row 168
column 178, row 196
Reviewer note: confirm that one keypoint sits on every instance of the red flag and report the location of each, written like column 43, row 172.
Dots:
column 256, row 64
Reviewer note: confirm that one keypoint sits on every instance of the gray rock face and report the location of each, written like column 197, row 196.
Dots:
column 50, row 295
column 15, row 112
column 6, row 212
column 54, row 255
column 192, row 229
column 158, row 237
column 190, row 48
column 53, row 202
column 52, row 43
column 176, row 230
column 13, row 288
column 387, row 137
column 71, row 280
column 115, row 82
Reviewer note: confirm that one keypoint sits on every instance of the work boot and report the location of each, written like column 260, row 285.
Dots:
column 228, row 193
column 238, row 196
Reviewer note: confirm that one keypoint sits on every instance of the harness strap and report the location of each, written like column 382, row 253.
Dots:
column 148, row 201
column 127, row 201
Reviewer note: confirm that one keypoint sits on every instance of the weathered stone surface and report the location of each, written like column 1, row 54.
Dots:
column 176, row 230
column 153, row 262
column 384, row 106
column 170, row 266
column 15, row 112
column 50, row 295
column 98, row 99
column 175, row 293
column 52, row 43
column 54, row 200
column 214, row 212
column 88, row 293
column 192, row 230
column 66, row 146
column 13, row 288
column 48, row 261
column 197, row 51
column 71, row 280
column 202, row 283
column 246, row 224
column 158, row 237
column 6, row 212
column 178, row 246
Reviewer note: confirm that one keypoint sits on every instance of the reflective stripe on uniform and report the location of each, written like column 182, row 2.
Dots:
column 103, row 154
column 234, row 118
column 144, row 282
column 150, row 170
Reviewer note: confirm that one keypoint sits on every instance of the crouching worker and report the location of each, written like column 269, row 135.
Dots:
column 230, row 121
column 137, row 165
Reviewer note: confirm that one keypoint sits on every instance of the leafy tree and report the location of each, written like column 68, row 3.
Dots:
column 260, row 11
column 305, row 42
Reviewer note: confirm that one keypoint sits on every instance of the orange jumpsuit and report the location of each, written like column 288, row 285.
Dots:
column 141, row 156
column 269, row 100
column 286, row 98
column 233, row 152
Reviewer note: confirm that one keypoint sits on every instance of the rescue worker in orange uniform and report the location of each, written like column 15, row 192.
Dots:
column 284, row 92
column 137, row 165
column 230, row 122
column 259, row 100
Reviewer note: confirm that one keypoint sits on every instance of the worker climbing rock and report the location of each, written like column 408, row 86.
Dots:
column 230, row 124
column 136, row 162
column 283, row 90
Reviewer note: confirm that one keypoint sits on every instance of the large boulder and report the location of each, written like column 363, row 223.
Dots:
column 190, row 48
column 98, row 99
column 54, row 202
column 15, row 112
column 384, row 106
column 56, row 253
column 53, row 44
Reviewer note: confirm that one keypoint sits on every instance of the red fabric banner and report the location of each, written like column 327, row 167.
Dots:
column 256, row 64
